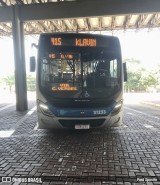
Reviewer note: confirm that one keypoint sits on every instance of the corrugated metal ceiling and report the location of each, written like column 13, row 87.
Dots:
column 108, row 23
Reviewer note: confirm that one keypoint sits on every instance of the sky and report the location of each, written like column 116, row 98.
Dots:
column 142, row 45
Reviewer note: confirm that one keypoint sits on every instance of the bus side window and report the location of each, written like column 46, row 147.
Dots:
column 113, row 68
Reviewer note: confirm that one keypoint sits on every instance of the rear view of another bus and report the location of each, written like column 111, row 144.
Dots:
column 79, row 81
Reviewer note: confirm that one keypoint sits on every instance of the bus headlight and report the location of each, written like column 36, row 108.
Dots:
column 117, row 107
column 44, row 108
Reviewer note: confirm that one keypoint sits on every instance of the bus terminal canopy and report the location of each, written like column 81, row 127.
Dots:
column 19, row 17
column 79, row 15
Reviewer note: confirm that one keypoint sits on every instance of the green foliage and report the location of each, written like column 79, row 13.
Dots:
column 139, row 79
column 131, row 61
column 1, row 80
column 31, row 83
column 149, row 80
column 133, row 80
column 9, row 80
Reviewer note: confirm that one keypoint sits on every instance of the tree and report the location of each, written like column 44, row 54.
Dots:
column 133, row 65
column 31, row 83
column 10, row 81
column 148, row 80
column 134, row 71
column 139, row 79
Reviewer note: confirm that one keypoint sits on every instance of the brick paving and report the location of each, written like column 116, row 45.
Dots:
column 126, row 155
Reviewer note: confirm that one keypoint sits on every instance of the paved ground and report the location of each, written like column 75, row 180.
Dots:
column 126, row 155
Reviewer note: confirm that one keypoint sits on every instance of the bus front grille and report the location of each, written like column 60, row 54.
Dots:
column 72, row 123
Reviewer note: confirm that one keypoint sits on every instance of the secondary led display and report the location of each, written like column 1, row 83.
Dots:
column 64, row 87
column 61, row 56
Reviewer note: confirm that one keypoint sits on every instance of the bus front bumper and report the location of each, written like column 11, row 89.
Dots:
column 46, row 122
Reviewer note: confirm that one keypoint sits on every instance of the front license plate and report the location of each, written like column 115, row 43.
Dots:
column 82, row 126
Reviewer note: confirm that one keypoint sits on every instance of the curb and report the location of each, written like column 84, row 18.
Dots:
column 151, row 104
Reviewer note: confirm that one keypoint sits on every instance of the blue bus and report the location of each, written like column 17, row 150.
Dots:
column 79, row 81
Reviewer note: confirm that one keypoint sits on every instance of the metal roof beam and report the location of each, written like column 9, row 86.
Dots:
column 77, row 9
column 126, row 22
column 5, row 14
column 20, row 2
column 6, row 27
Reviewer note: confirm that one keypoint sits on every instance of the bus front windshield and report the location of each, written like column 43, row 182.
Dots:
column 80, row 74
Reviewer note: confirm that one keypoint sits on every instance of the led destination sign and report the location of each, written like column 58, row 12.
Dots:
column 85, row 42
column 82, row 42
column 62, row 56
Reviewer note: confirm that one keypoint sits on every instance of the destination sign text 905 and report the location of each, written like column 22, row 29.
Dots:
column 82, row 42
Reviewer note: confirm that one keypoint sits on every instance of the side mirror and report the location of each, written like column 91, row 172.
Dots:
column 32, row 64
column 125, row 72
column 34, row 45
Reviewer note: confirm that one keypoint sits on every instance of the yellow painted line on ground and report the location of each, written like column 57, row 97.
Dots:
column 151, row 104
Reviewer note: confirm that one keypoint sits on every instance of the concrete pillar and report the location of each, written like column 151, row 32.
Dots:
column 19, row 58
